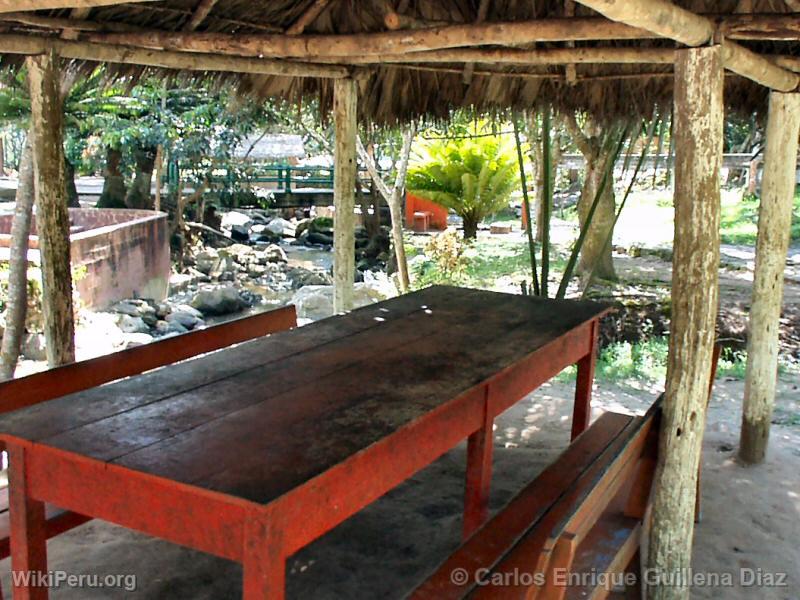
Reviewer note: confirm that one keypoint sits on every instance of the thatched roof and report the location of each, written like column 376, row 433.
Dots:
column 396, row 92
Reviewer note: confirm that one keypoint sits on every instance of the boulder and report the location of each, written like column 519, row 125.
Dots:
column 316, row 301
column 300, row 277
column 235, row 218
column 127, row 307
column 281, row 227
column 137, row 339
column 184, row 319
column 275, row 254
column 206, row 261
column 240, row 234
column 221, row 300
column 130, row 324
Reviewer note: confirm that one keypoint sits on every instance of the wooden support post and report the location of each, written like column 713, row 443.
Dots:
column 344, row 193
column 52, row 217
column 698, row 159
column 774, row 222
column 582, row 407
column 480, row 447
column 28, row 532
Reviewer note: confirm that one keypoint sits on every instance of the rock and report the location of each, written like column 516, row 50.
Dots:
column 33, row 346
column 255, row 271
column 302, row 226
column 127, row 307
column 319, row 239
column 130, row 324
column 184, row 319
column 221, row 300
column 206, row 260
column 300, row 277
column 281, row 227
column 137, row 339
column 316, row 301
column 275, row 254
column 185, row 308
column 240, row 234
column 235, row 218
column 163, row 309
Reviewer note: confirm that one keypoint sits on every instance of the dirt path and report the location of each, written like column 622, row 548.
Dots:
column 751, row 515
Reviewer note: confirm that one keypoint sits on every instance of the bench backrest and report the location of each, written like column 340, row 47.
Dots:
column 79, row 376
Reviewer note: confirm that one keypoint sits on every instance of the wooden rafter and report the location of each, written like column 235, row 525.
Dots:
column 200, row 14
column 33, row 45
column 23, row 5
column 469, row 68
column 305, row 19
column 676, row 23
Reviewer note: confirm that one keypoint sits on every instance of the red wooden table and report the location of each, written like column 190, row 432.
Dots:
column 252, row 452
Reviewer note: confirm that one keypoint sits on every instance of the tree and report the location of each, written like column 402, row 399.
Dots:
column 594, row 142
column 474, row 174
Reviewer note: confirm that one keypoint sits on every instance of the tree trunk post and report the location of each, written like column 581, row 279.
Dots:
column 774, row 223
column 344, row 184
column 698, row 159
column 52, row 217
column 17, row 306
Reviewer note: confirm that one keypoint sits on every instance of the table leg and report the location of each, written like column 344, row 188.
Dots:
column 582, row 410
column 479, row 476
column 264, row 564
column 28, row 535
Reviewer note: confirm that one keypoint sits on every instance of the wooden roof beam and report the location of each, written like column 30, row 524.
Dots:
column 184, row 61
column 200, row 14
column 670, row 21
column 23, row 5
column 308, row 17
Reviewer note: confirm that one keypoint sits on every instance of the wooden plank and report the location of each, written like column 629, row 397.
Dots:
column 324, row 426
column 142, row 426
column 71, row 411
column 345, row 113
column 500, row 534
column 67, row 379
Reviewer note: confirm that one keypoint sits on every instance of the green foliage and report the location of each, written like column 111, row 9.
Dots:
column 739, row 220
column 473, row 176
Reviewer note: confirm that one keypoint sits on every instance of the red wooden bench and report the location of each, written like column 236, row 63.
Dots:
column 79, row 376
column 582, row 514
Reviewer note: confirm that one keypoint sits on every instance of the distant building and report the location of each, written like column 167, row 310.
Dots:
column 273, row 147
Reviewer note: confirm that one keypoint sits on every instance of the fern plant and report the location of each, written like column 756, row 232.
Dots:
column 474, row 175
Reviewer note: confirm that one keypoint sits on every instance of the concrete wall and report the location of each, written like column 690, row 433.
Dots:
column 116, row 253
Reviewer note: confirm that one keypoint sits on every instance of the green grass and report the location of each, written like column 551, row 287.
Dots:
column 739, row 219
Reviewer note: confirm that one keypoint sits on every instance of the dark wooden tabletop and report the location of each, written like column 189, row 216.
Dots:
column 261, row 418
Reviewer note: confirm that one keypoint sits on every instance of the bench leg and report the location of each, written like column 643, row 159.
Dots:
column 479, row 477
column 582, row 411
column 28, row 533
column 264, row 563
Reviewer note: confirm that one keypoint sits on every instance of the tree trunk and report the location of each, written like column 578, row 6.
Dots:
column 596, row 253
column 52, row 218
column 17, row 302
column 72, row 191
column 113, row 194
column 395, row 206
column 139, row 194
column 470, row 227
column 698, row 140
column 345, row 95
column 774, row 224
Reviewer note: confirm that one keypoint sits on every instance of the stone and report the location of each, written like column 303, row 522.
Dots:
column 319, row 239
column 206, row 261
column 240, row 234
column 316, row 301
column 127, row 307
column 300, row 277
column 130, row 324
column 163, row 309
column 235, row 218
column 301, row 226
column 221, row 300
column 184, row 319
column 275, row 254
column 185, row 308
column 255, row 271
column 281, row 227
column 33, row 346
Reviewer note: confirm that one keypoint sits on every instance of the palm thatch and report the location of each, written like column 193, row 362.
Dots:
column 391, row 93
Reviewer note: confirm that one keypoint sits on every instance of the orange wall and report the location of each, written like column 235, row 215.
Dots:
column 417, row 204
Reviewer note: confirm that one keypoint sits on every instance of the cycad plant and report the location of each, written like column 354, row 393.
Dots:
column 473, row 174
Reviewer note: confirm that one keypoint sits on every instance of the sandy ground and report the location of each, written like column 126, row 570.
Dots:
column 751, row 517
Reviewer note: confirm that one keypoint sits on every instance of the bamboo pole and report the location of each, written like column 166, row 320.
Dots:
column 344, row 185
column 698, row 129
column 307, row 17
column 774, row 223
column 28, row 44
column 52, row 218
column 670, row 21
